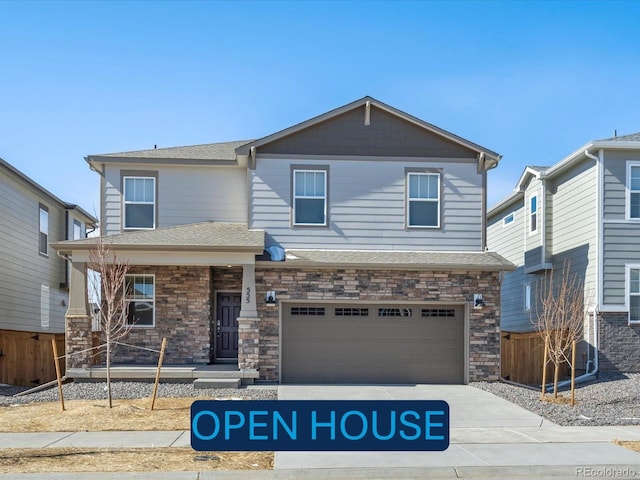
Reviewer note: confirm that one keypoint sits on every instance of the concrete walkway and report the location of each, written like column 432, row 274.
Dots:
column 490, row 438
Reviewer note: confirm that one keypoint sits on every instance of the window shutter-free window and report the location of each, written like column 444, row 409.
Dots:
column 634, row 191
column 309, row 196
column 634, row 295
column 533, row 213
column 139, row 202
column 140, row 296
column 44, row 230
column 424, row 200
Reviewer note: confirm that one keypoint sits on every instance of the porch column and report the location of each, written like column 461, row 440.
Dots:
column 248, row 321
column 78, row 319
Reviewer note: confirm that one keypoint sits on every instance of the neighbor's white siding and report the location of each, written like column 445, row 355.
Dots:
column 186, row 194
column 366, row 206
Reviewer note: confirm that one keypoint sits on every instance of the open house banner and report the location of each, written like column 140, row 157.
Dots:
column 322, row 425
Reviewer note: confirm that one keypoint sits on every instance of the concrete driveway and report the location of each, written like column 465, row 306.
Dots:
column 485, row 431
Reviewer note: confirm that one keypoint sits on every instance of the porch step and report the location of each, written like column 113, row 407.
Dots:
column 217, row 383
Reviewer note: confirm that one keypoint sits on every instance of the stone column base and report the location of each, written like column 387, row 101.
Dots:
column 78, row 339
column 248, row 342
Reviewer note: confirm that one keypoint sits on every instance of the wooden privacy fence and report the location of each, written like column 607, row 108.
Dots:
column 26, row 358
column 521, row 358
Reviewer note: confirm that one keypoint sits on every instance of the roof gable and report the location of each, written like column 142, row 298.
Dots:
column 371, row 128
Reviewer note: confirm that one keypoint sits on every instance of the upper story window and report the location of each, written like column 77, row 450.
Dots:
column 139, row 202
column 508, row 219
column 533, row 214
column 309, row 197
column 44, row 230
column 423, row 200
column 77, row 230
column 634, row 295
column 140, row 296
column 633, row 187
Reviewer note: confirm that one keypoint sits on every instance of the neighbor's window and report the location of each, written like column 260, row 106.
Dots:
column 508, row 220
column 634, row 191
column 533, row 214
column 527, row 297
column 634, row 295
column 309, row 197
column 44, row 230
column 139, row 202
column 423, row 200
column 77, row 230
column 140, row 297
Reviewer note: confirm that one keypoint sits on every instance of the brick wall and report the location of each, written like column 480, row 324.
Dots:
column 182, row 314
column 370, row 285
column 619, row 342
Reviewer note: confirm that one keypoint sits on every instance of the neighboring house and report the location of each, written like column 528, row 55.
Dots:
column 347, row 248
column 585, row 209
column 34, row 280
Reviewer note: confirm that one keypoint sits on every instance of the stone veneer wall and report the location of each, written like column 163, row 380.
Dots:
column 183, row 313
column 619, row 342
column 396, row 285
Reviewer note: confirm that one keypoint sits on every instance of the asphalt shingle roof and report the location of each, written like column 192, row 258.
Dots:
column 209, row 151
column 205, row 236
column 382, row 259
column 633, row 137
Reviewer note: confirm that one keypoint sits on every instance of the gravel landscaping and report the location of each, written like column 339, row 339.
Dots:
column 131, row 390
column 612, row 399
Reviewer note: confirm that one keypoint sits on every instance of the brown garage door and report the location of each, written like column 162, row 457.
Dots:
column 356, row 343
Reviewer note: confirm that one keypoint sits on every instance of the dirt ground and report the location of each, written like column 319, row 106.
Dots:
column 96, row 416
column 635, row 446
column 68, row 460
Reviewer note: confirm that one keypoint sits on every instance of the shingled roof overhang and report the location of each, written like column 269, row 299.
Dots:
column 393, row 260
column 196, row 237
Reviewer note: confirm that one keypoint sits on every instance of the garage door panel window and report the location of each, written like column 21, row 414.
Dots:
column 395, row 312
column 438, row 312
column 307, row 311
column 351, row 312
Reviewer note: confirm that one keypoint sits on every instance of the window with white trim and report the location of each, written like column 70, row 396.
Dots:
column 508, row 219
column 633, row 186
column 423, row 200
column 309, row 197
column 139, row 293
column 634, row 295
column 44, row 230
column 139, row 202
column 77, row 230
column 533, row 213
column 527, row 297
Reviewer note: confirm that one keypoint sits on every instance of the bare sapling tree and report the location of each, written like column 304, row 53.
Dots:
column 560, row 318
column 110, row 289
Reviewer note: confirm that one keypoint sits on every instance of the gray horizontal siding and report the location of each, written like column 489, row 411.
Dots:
column 534, row 240
column 573, row 224
column 615, row 172
column 184, row 195
column 507, row 240
column 22, row 269
column 513, row 316
column 367, row 206
column 621, row 246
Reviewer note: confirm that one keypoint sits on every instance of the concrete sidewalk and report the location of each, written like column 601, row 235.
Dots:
column 489, row 438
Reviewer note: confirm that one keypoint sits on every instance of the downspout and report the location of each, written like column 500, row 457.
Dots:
column 588, row 376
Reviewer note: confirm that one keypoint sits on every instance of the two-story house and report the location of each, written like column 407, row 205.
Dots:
column 347, row 248
column 585, row 209
column 34, row 281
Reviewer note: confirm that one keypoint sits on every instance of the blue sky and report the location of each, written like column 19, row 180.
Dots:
column 531, row 80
